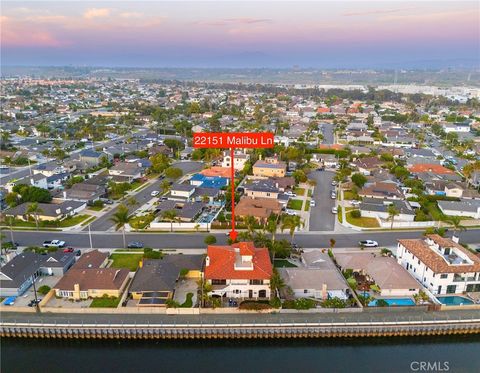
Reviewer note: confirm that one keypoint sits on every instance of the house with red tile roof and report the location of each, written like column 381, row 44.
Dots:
column 238, row 271
column 430, row 167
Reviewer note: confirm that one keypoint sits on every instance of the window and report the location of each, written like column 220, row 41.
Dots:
column 451, row 289
column 219, row 282
column 256, row 282
column 305, row 291
column 444, row 275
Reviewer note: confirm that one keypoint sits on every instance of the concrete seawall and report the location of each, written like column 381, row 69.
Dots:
column 250, row 330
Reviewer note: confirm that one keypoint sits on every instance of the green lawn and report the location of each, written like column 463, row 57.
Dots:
column 129, row 261
column 295, row 204
column 299, row 191
column 105, row 302
column 307, row 206
column 362, row 221
column 348, row 194
column 96, row 208
column 310, row 193
column 283, row 263
column 188, row 302
column 339, row 214
column 68, row 222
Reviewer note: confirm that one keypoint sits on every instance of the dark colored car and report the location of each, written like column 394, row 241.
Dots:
column 135, row 245
column 78, row 253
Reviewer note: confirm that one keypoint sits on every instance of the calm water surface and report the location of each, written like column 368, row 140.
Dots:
column 452, row 354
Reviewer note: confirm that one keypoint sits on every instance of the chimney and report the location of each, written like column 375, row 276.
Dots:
column 64, row 194
column 207, row 261
column 324, row 292
column 455, row 239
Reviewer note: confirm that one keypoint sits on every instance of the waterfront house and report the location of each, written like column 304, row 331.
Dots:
column 440, row 264
column 238, row 271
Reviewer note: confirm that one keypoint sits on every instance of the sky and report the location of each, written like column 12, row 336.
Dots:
column 320, row 34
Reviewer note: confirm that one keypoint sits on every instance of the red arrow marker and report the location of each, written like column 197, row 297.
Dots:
column 233, row 233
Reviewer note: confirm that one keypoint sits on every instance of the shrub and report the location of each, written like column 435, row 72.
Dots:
column 44, row 289
column 300, row 304
column 183, row 272
column 254, row 305
column 334, row 303
column 276, row 302
column 210, row 240
column 352, row 282
column 356, row 214
column 149, row 253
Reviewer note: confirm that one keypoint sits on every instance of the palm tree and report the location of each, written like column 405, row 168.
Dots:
column 272, row 225
column 171, row 216
column 244, row 236
column 276, row 282
column 392, row 212
column 260, row 239
column 166, row 186
column 250, row 222
column 456, row 222
column 291, row 222
column 34, row 210
column 10, row 220
column 132, row 202
column 120, row 218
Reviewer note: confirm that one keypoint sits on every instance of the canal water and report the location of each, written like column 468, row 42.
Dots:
column 397, row 354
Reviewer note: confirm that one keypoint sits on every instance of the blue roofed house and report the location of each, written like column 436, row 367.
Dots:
column 217, row 182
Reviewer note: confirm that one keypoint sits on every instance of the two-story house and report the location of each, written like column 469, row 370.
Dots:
column 270, row 167
column 440, row 264
column 238, row 271
column 239, row 160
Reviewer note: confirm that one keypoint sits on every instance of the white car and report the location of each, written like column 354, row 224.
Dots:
column 290, row 212
column 155, row 193
column 334, row 210
column 312, row 203
column 290, row 194
column 334, row 183
column 54, row 243
column 368, row 243
column 334, row 196
column 355, row 203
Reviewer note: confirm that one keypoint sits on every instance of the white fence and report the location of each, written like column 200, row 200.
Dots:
column 180, row 226
column 407, row 224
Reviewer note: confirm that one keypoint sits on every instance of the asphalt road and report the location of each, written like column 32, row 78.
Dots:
column 104, row 222
column 195, row 240
column 321, row 217
column 327, row 133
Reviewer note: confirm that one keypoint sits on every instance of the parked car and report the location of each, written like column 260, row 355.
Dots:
column 290, row 194
column 333, row 196
column 312, row 203
column 290, row 212
column 68, row 250
column 355, row 203
column 135, row 245
column 10, row 301
column 106, row 201
column 78, row 253
column 155, row 193
column 334, row 183
column 34, row 302
column 368, row 243
column 54, row 243
column 334, row 210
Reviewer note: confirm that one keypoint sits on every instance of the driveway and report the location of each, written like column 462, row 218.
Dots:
column 321, row 217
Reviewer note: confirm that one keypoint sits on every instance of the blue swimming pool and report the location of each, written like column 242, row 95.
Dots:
column 454, row 300
column 394, row 302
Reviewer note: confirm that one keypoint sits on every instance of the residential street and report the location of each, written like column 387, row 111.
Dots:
column 195, row 240
column 321, row 217
column 104, row 223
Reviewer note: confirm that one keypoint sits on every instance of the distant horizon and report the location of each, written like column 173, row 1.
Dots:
column 323, row 34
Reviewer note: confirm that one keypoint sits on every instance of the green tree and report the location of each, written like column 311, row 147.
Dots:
column 392, row 212
column 171, row 216
column 359, row 180
column 276, row 282
column 166, row 186
column 160, row 162
column 210, row 240
column 291, row 222
column 456, row 222
column 11, row 199
column 120, row 218
column 272, row 225
column 173, row 172
column 33, row 210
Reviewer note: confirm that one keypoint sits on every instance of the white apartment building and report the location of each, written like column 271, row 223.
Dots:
column 440, row 264
column 239, row 160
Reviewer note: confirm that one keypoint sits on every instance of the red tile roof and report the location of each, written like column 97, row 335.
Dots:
column 428, row 167
column 217, row 171
column 222, row 262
